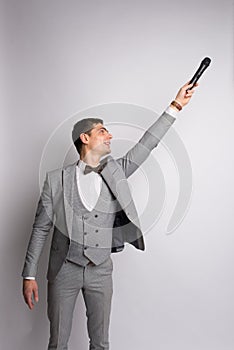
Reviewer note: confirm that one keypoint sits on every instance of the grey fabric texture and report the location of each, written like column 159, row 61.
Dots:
column 95, row 282
column 56, row 211
column 92, row 230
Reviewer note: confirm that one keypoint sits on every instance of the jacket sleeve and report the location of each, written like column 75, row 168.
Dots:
column 41, row 227
column 150, row 139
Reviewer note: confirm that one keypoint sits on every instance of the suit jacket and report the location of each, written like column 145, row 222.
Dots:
column 55, row 208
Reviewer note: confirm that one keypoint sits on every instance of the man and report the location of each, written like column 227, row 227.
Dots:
column 90, row 208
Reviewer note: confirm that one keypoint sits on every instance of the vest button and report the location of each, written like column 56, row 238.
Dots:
column 85, row 247
column 96, row 215
column 85, row 233
column 97, row 245
column 96, row 230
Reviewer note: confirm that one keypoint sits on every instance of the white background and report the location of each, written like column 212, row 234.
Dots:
column 60, row 57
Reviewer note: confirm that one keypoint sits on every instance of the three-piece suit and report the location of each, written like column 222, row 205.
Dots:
column 83, row 240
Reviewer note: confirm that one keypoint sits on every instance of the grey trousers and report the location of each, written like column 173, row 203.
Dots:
column 95, row 282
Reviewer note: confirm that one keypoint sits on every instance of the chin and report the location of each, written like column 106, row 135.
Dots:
column 107, row 150
column 105, row 153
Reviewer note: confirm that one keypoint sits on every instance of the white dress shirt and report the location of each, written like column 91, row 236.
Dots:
column 89, row 186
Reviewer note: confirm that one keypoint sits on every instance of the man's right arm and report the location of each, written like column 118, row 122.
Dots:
column 41, row 227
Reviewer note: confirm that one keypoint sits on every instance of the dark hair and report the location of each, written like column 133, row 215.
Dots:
column 83, row 126
column 78, row 143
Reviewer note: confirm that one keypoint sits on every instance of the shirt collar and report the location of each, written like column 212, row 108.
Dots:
column 81, row 165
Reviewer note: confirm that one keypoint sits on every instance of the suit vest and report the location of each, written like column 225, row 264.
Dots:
column 91, row 238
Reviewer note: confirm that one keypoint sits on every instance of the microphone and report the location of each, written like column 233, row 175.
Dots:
column 204, row 64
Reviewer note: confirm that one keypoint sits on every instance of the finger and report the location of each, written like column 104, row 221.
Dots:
column 28, row 300
column 188, row 85
column 36, row 296
column 191, row 86
column 190, row 91
column 30, row 304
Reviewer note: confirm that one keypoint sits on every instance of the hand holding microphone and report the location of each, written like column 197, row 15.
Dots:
column 185, row 93
column 183, row 96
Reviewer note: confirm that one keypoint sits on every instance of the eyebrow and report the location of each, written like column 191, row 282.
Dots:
column 102, row 128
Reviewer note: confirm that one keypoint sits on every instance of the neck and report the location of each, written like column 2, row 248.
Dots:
column 90, row 159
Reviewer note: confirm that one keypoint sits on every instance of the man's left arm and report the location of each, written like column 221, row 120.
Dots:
column 151, row 138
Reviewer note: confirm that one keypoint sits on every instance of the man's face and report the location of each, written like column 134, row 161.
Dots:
column 99, row 140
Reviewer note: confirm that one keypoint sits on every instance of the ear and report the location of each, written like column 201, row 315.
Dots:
column 84, row 138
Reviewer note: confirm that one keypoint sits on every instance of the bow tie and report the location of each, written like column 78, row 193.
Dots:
column 88, row 169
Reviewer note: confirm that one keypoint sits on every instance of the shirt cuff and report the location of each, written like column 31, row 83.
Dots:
column 29, row 278
column 171, row 111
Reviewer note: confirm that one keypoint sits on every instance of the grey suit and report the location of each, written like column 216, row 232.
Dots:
column 56, row 209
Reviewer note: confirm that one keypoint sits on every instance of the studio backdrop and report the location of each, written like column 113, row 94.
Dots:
column 124, row 61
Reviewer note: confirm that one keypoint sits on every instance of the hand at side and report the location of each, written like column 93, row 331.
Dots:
column 30, row 292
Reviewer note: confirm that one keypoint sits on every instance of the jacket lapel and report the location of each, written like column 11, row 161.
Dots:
column 69, row 176
column 115, row 178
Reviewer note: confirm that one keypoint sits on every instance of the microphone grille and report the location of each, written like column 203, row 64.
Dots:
column 206, row 61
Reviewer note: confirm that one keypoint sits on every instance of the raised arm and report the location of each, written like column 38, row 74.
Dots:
column 150, row 139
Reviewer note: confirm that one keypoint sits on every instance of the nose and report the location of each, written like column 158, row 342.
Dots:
column 110, row 136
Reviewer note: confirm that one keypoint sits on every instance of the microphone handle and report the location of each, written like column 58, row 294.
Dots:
column 197, row 75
